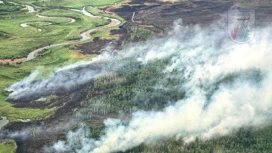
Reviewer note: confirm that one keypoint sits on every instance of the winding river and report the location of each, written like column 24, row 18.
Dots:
column 84, row 35
column 25, row 25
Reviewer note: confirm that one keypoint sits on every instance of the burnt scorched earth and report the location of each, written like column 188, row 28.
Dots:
column 66, row 97
column 153, row 18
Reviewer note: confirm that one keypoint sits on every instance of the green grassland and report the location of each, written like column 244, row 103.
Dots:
column 97, row 11
column 94, row 10
column 56, row 57
column 8, row 147
column 103, row 33
column 16, row 41
column 19, row 41
column 10, row 8
column 68, row 3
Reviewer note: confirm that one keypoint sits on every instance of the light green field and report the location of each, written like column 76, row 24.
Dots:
column 96, row 11
column 56, row 57
column 68, row 3
column 16, row 41
column 21, row 41
column 103, row 33
column 8, row 147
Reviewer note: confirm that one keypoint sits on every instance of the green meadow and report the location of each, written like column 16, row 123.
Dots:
column 55, row 57
column 16, row 41
column 8, row 147
column 68, row 3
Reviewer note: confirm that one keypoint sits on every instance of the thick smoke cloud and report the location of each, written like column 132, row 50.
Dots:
column 209, row 109
column 63, row 80
column 228, row 86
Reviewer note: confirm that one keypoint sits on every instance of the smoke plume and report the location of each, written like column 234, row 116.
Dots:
column 63, row 80
column 227, row 86
column 226, row 89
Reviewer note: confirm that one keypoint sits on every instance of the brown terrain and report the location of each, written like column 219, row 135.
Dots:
column 153, row 17
column 12, row 61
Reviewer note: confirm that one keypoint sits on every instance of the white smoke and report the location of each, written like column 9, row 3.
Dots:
column 23, row 134
column 64, row 79
column 202, row 58
column 210, row 108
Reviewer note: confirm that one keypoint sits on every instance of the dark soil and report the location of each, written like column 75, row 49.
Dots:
column 99, row 45
column 164, row 14
column 51, row 129
column 157, row 17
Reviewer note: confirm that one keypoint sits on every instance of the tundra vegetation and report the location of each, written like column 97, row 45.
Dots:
column 17, row 41
column 8, row 146
column 68, row 3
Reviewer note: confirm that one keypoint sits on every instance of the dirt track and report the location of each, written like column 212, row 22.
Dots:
column 12, row 61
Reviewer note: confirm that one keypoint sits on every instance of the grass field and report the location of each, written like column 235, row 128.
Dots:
column 103, row 33
column 68, row 3
column 10, row 8
column 8, row 147
column 97, row 11
column 18, row 42
column 55, row 57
